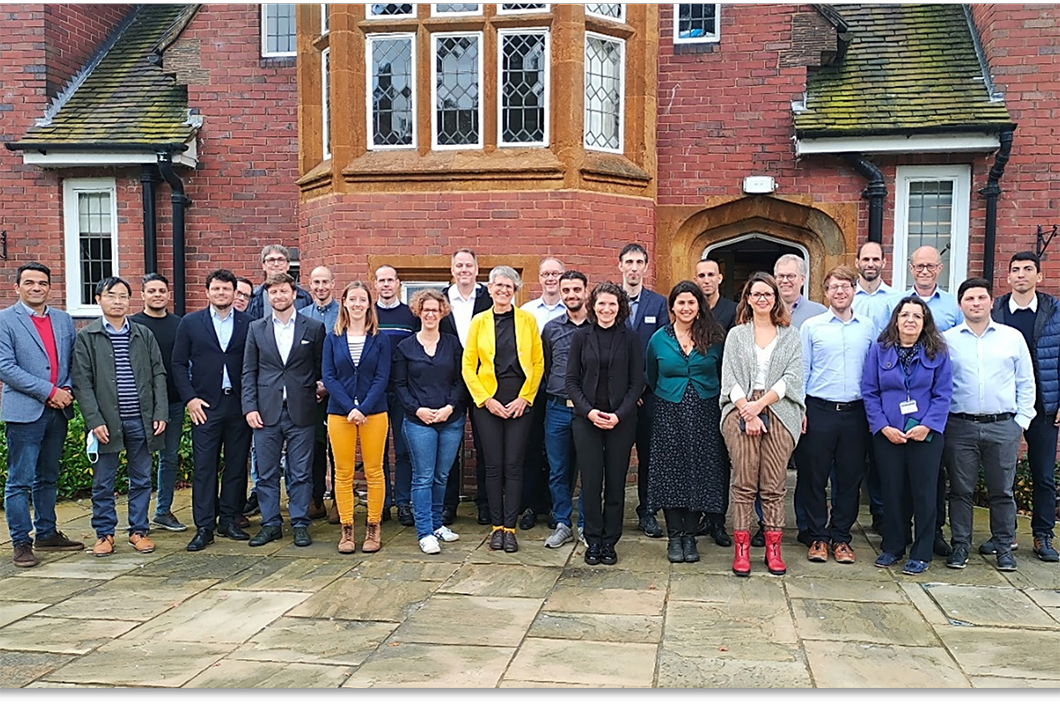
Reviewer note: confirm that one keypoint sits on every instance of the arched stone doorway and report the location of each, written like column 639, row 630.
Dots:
column 738, row 257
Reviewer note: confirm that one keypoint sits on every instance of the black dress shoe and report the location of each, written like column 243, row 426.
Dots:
column 721, row 538
column 448, row 515
column 203, row 537
column 759, row 538
column 232, row 532
column 497, row 539
column 688, row 546
column 385, row 516
column 941, row 547
column 607, row 554
column 650, row 526
column 251, row 507
column 484, row 517
column 705, row 527
column 528, row 519
column 510, row 543
column 405, row 516
column 674, row 551
column 552, row 521
column 301, row 537
column 267, row 534
column 592, row 554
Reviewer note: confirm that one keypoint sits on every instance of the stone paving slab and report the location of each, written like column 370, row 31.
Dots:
column 20, row 668
column 385, row 567
column 1017, row 683
column 363, row 599
column 464, row 620
column 43, row 589
column 616, row 628
column 83, row 565
column 849, row 665
column 52, row 635
column 999, row 652
column 570, row 597
column 678, row 671
column 245, row 674
column 417, row 665
column 277, row 574
column 883, row 591
column 502, row 581
column 129, row 598
column 584, row 662
column 322, row 641
column 894, row 624
column 728, row 589
column 694, row 629
column 141, row 663
column 990, row 606
column 198, row 565
column 11, row 611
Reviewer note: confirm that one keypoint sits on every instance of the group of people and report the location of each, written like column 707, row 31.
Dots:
column 897, row 389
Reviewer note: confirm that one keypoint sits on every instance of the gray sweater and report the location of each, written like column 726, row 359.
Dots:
column 738, row 366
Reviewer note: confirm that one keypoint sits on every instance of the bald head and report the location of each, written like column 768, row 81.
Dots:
column 925, row 266
column 321, row 282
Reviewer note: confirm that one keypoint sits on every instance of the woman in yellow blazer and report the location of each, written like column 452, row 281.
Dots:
column 502, row 366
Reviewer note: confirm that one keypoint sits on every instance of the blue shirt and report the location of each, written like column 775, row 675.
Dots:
column 328, row 314
column 874, row 305
column 805, row 309
column 544, row 313
column 944, row 308
column 992, row 373
column 224, row 328
column 833, row 355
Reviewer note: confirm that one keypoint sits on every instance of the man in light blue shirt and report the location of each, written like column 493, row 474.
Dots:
column 834, row 347
column 993, row 403
column 872, row 296
column 925, row 265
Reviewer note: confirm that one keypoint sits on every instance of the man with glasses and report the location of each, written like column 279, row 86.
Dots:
column 834, row 347
column 275, row 260
column 790, row 274
column 244, row 291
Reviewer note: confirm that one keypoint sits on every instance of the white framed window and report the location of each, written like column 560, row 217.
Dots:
column 90, row 240
column 522, row 8
column 389, row 9
column 325, row 18
column 409, row 289
column 325, row 101
column 696, row 23
column 609, row 11
column 456, row 9
column 605, row 69
column 523, row 71
column 932, row 208
column 278, row 30
column 456, row 90
column 391, row 88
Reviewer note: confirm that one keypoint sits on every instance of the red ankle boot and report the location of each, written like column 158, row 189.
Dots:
column 741, row 563
column 773, row 559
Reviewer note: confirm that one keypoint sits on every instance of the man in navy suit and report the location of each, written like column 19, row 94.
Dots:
column 207, row 371
column 36, row 342
column 648, row 314
column 281, row 389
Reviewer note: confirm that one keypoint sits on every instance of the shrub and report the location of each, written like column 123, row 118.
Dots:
column 1021, row 487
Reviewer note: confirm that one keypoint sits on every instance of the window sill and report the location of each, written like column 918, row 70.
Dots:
column 508, row 164
column 613, row 169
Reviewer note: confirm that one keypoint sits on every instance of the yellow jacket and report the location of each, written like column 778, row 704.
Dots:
column 481, row 347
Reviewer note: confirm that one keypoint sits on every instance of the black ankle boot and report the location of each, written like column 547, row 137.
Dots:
column 674, row 550
column 688, row 548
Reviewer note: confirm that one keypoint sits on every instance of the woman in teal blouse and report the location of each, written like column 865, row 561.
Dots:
column 689, row 472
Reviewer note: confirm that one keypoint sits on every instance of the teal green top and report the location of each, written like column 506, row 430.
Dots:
column 668, row 371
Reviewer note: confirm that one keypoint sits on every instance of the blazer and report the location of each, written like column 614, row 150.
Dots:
column 740, row 361
column 361, row 387
column 477, row 365
column 652, row 315
column 199, row 361
column 625, row 375
column 97, row 392
column 883, row 389
column 482, row 302
column 24, row 367
column 265, row 375
column 668, row 372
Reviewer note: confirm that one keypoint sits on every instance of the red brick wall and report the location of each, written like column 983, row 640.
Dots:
column 72, row 33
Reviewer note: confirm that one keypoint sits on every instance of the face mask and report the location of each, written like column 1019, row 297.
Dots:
column 92, row 447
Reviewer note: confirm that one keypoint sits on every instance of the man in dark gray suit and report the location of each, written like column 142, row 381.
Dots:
column 36, row 342
column 281, row 389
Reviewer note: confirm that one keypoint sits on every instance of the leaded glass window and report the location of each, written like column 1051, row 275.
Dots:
column 604, row 68
column 524, row 87
column 611, row 10
column 392, row 86
column 457, row 85
column 390, row 9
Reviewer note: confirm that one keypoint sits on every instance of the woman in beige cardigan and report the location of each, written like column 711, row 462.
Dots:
column 761, row 410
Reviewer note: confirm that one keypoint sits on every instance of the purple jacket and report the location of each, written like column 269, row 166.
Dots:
column 883, row 388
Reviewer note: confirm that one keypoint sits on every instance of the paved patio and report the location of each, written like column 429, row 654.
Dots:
column 283, row 616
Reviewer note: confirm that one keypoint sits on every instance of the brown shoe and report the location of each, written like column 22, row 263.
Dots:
column 818, row 552
column 104, row 546
column 58, row 542
column 333, row 513
column 242, row 521
column 372, row 538
column 843, row 553
column 317, row 510
column 141, row 542
column 347, row 546
column 23, row 556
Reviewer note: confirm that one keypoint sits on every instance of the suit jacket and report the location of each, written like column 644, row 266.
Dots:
column 199, row 361
column 265, row 375
column 652, row 315
column 625, row 374
column 725, row 313
column 483, row 301
column 24, row 367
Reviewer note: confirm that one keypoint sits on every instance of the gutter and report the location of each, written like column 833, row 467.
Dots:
column 875, row 192
column 180, row 202
column 992, row 191
column 43, row 147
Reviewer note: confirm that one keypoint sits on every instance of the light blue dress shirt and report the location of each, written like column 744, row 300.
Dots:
column 944, row 308
column 327, row 314
column 833, row 355
column 874, row 305
column 543, row 313
column 224, row 328
column 992, row 373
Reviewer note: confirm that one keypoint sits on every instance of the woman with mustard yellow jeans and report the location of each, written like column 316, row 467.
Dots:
column 355, row 370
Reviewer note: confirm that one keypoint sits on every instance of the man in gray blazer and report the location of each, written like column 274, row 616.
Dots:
column 281, row 389
column 36, row 342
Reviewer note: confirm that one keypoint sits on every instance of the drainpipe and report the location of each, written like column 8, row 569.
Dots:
column 992, row 191
column 148, row 181
column 180, row 201
column 874, row 192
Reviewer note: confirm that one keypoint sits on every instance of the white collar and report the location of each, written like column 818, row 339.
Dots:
column 1013, row 307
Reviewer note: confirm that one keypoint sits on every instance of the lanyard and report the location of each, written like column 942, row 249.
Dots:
column 909, row 372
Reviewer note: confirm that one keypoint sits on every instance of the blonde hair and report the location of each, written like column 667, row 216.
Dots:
column 371, row 322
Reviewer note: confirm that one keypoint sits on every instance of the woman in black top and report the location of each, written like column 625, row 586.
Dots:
column 605, row 378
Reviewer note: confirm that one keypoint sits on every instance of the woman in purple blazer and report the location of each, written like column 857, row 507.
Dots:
column 907, row 384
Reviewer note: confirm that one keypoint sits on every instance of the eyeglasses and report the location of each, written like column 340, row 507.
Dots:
column 432, row 312
column 786, row 276
column 275, row 260
column 499, row 286
column 840, row 287
column 114, row 298
column 551, row 273
column 761, row 295
column 242, row 295
column 924, row 267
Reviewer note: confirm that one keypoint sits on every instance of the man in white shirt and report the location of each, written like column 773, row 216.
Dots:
column 993, row 403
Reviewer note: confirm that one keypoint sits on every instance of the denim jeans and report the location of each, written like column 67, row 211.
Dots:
column 168, row 460
column 431, row 451
column 105, row 471
column 400, row 493
column 33, row 452
column 559, row 445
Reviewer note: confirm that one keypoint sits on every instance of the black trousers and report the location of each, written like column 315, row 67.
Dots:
column 681, row 521
column 225, row 431
column 536, row 494
column 504, row 446
column 456, row 472
column 322, row 454
column 908, row 480
column 831, row 435
column 643, row 439
column 1041, row 455
column 603, row 457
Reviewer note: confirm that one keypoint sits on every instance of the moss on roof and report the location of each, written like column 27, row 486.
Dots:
column 908, row 68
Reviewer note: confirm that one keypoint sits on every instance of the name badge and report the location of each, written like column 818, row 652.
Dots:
column 570, row 403
column 649, row 320
column 908, row 407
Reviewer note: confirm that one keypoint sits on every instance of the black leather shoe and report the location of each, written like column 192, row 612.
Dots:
column 721, row 538
column 448, row 515
column 688, row 546
column 497, row 540
column 232, row 532
column 484, row 516
column 267, row 534
column 759, row 538
column 650, row 526
column 674, row 551
column 301, row 537
column 203, row 537
column 405, row 516
column 510, row 543
column 552, row 521
column 529, row 519
column 705, row 526
column 941, row 547
column 251, row 507
column 592, row 554
column 607, row 554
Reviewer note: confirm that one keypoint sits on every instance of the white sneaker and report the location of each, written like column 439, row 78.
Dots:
column 446, row 535
column 560, row 536
column 429, row 544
